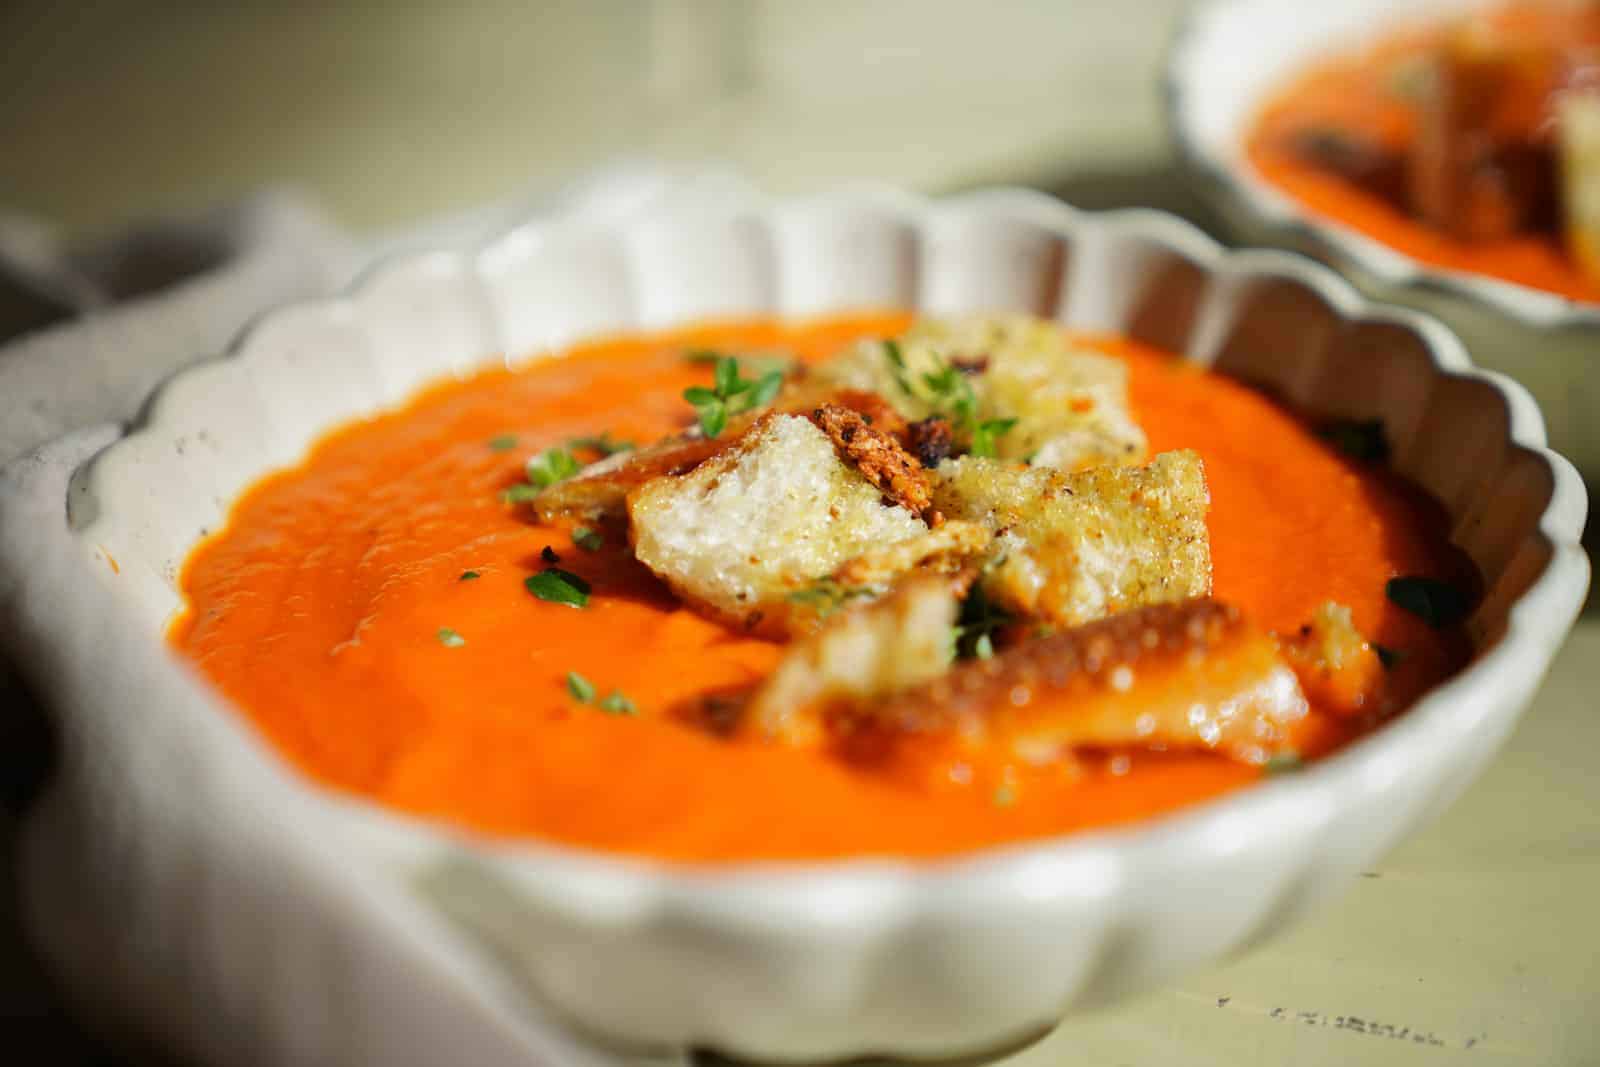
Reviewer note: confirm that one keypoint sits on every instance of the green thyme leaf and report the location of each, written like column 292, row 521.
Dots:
column 605, row 445
column 504, row 443
column 581, row 688
column 449, row 638
column 588, row 540
column 618, row 704
column 551, row 466
column 1439, row 604
column 825, row 595
column 987, row 433
column 520, row 493
column 974, row 630
column 1360, row 439
column 1283, row 763
column 559, row 587
column 730, row 394
column 765, row 389
column 467, row 576
column 726, row 377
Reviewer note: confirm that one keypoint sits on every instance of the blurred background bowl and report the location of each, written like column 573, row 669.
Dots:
column 1227, row 59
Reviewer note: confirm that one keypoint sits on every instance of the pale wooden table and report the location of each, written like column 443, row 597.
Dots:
column 1475, row 941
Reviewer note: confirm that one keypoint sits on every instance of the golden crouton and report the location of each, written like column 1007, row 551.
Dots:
column 1338, row 669
column 1578, row 125
column 1075, row 547
column 861, row 655
column 943, row 550
column 760, row 520
column 1193, row 676
column 1070, row 403
column 879, row 457
column 601, row 489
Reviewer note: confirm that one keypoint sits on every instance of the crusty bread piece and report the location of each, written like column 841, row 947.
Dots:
column 601, row 489
column 1070, row 402
column 1194, row 675
column 1076, row 547
column 1579, row 128
column 1338, row 669
column 943, row 550
column 862, row 654
column 761, row 520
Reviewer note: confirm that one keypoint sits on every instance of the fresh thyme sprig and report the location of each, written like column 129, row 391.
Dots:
column 730, row 394
column 949, row 392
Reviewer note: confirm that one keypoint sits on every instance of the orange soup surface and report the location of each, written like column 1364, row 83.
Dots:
column 366, row 611
column 1373, row 95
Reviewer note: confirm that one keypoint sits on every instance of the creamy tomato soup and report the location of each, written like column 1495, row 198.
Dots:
column 369, row 611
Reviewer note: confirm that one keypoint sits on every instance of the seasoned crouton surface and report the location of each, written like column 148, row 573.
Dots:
column 1195, row 675
column 1337, row 667
column 601, row 489
column 762, row 519
column 863, row 654
column 879, row 458
column 1077, row 547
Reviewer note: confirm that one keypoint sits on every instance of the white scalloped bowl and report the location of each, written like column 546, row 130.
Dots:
column 1227, row 59
column 814, row 960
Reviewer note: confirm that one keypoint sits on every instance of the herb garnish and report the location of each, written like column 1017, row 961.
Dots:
column 753, row 365
column 504, row 443
column 520, row 493
column 973, row 634
column 588, row 540
column 1436, row 603
column 551, row 466
column 947, row 390
column 730, row 394
column 467, row 576
column 1361, row 439
column 581, row 688
column 1285, row 762
column 584, row 692
column 604, row 444
column 559, row 587
column 449, row 638
column 826, row 595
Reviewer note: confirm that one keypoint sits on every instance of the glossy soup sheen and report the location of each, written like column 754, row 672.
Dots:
column 318, row 611
column 1357, row 93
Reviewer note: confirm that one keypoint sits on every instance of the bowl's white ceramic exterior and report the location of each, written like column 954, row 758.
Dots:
column 246, row 885
column 1227, row 59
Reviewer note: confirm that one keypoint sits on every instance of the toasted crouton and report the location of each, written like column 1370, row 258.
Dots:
column 761, row 519
column 879, row 457
column 861, row 655
column 1579, row 127
column 1077, row 547
column 1070, row 403
column 601, row 489
column 943, row 550
column 1192, row 676
column 1338, row 669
